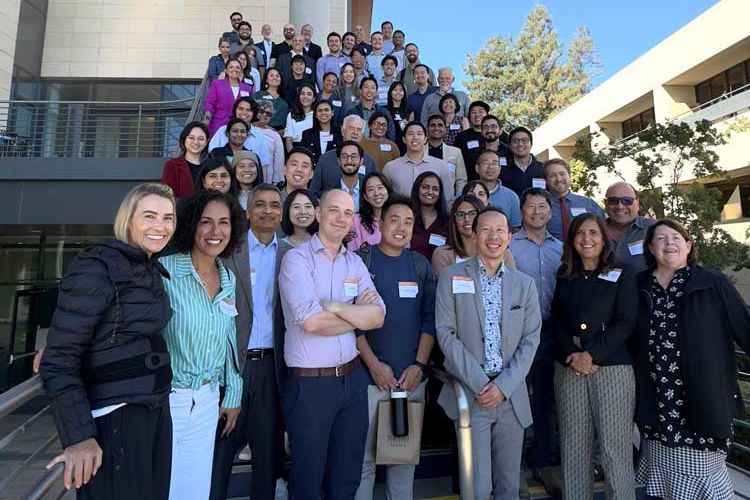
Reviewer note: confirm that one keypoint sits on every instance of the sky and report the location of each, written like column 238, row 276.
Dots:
column 446, row 31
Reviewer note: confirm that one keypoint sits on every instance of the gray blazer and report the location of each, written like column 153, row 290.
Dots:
column 239, row 263
column 460, row 333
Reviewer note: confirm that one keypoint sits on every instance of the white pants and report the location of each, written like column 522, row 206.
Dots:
column 399, row 479
column 195, row 414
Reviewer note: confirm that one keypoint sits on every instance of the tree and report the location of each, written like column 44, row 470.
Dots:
column 527, row 80
column 666, row 155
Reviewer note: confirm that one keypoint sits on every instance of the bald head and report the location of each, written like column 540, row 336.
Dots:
column 621, row 204
column 335, row 215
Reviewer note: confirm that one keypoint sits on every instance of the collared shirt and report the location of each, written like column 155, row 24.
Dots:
column 373, row 64
column 201, row 336
column 403, row 172
column 577, row 205
column 383, row 87
column 506, row 200
column 629, row 248
column 408, row 77
column 262, row 276
column 540, row 262
column 387, row 46
column 492, row 298
column 308, row 277
column 256, row 141
column 416, row 100
column 268, row 48
column 354, row 192
column 329, row 63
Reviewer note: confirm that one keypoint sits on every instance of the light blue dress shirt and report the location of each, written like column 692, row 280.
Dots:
column 262, row 276
column 541, row 262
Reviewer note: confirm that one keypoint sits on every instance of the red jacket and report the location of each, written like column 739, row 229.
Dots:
column 176, row 174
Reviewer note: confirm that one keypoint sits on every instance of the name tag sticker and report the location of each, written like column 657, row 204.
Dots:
column 268, row 97
column 636, row 247
column 361, row 170
column 454, row 126
column 252, row 276
column 385, row 147
column 308, row 71
column 452, row 168
column 460, row 259
column 336, row 103
column 503, row 162
column 472, row 144
column 354, row 98
column 463, row 284
column 227, row 307
column 538, row 182
column 576, row 211
column 351, row 287
column 437, row 240
column 612, row 276
column 407, row 289
column 397, row 117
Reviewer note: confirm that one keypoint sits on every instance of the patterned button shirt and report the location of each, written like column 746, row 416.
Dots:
column 493, row 305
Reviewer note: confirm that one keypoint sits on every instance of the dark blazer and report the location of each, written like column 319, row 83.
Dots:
column 311, row 140
column 314, row 51
column 601, row 312
column 711, row 318
column 327, row 173
column 239, row 263
column 284, row 65
column 260, row 50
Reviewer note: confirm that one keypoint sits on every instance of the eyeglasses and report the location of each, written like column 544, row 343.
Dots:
column 520, row 140
column 379, row 124
column 466, row 215
column 354, row 156
column 262, row 112
column 613, row 201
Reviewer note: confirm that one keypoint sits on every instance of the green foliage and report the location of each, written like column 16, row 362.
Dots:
column 528, row 79
column 666, row 155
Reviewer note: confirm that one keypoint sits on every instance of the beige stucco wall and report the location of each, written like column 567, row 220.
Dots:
column 8, row 31
column 164, row 39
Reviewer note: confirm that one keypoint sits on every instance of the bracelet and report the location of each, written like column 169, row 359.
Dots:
column 420, row 365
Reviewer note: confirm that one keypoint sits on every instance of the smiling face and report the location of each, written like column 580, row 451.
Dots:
column 448, row 107
column 465, row 214
column 244, row 112
column 429, row 191
column 420, row 75
column 376, row 41
column 358, row 61
column 348, row 42
column 445, row 80
column 397, row 227
column 298, row 171
column 195, row 142
column 480, row 192
column 415, row 139
column 237, row 135
column 273, row 78
column 535, row 212
column 306, row 97
column 324, row 113
column 234, row 70
column 246, row 172
column 436, row 130
column 353, row 130
column 369, row 91
column 558, row 179
column 389, row 67
column 378, row 128
column 335, row 215
column 218, row 179
column 520, row 144
column 334, row 44
column 412, row 54
column 235, row 20
column 490, row 130
column 264, row 211
column 330, row 83
column 213, row 230
column 288, row 32
column 359, row 32
column 298, row 42
column 621, row 213
column 349, row 160
column 301, row 212
column 307, row 33
column 245, row 32
column 588, row 242
column 152, row 224
column 488, row 168
column 375, row 192
column 670, row 248
column 347, row 74
column 398, row 39
column 475, row 116
column 397, row 93
column 224, row 48
column 492, row 235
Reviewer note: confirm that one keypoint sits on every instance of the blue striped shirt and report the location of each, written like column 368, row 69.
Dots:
column 201, row 335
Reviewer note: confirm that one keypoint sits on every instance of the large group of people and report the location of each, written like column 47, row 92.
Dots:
column 319, row 242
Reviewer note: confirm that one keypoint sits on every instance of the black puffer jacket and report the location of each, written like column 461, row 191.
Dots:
column 104, row 345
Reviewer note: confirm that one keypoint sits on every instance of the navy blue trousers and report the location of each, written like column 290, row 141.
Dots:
column 326, row 419
column 540, row 379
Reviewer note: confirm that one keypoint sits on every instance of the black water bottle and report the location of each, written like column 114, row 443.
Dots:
column 399, row 412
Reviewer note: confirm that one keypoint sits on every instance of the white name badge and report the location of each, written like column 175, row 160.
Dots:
column 227, row 307
column 397, row 117
column 612, row 276
column 385, row 147
column 407, row 289
column 576, row 211
column 336, row 103
column 463, row 284
column 454, row 126
column 268, row 97
column 452, row 168
column 341, row 64
column 351, row 287
column 539, row 183
column 308, row 71
column 252, row 276
column 354, row 98
column 437, row 240
column 244, row 93
column 503, row 162
column 361, row 170
column 472, row 144
column 460, row 259
column 636, row 247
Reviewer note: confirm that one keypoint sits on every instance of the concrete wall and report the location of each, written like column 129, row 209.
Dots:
column 8, row 32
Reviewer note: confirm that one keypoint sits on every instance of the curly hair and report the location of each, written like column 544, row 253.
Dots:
column 190, row 212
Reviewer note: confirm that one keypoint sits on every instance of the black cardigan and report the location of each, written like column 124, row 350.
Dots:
column 601, row 312
column 311, row 140
column 712, row 316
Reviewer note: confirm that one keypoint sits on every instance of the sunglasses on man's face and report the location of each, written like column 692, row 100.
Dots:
column 613, row 201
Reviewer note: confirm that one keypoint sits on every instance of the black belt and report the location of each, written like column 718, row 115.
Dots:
column 255, row 354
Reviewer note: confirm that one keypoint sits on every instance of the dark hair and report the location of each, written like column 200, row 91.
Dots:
column 224, row 40
column 298, row 58
column 250, row 101
column 359, row 51
column 435, row 117
column 389, row 58
column 286, row 220
column 535, row 191
column 350, row 143
column 189, row 215
column 376, row 33
column 331, row 73
column 384, row 23
column 244, row 23
column 439, row 206
column 235, row 14
column 302, row 150
column 366, row 211
column 480, row 104
column 516, row 130
column 213, row 163
column 492, row 209
column 333, row 34
column 233, row 58
column 374, row 116
column 449, row 97
column 572, row 265
column 316, row 123
column 186, row 132
column 420, row 65
column 368, row 79
column 298, row 111
column 399, row 31
column 264, row 82
column 348, row 33
column 692, row 257
column 469, row 186
column 343, row 85
column 455, row 240
column 411, row 43
column 490, row 117
column 394, row 200
column 415, row 123
column 258, row 167
column 232, row 122
column 401, row 110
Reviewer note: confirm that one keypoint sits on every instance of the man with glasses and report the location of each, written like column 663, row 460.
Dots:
column 368, row 90
column 565, row 205
column 625, row 228
column 233, row 36
column 245, row 39
column 438, row 149
column 285, row 46
column 406, row 75
column 489, row 165
column 537, row 253
column 523, row 170
column 492, row 133
column 351, row 157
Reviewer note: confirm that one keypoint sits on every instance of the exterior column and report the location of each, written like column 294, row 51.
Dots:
column 315, row 12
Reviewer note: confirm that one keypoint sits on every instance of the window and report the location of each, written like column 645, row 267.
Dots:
column 727, row 81
column 638, row 122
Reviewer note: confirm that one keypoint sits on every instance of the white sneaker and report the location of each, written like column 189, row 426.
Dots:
column 281, row 491
column 246, row 454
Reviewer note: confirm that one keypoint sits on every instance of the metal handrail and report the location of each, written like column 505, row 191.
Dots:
column 463, row 433
column 19, row 395
column 196, row 112
column 50, row 479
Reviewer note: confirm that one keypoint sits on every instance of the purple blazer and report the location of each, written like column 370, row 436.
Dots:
column 220, row 100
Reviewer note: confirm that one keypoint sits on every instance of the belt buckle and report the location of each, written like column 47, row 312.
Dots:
column 261, row 353
column 338, row 371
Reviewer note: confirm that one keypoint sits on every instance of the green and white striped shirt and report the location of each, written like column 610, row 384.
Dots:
column 201, row 335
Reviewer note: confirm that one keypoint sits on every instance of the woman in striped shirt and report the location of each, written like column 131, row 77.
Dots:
column 201, row 336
